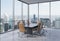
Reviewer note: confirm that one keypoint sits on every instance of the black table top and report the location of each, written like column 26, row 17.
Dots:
column 31, row 25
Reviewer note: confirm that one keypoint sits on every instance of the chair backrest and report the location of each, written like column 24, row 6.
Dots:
column 38, row 22
column 40, row 26
column 21, row 27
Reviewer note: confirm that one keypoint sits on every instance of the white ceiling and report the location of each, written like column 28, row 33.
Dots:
column 36, row 1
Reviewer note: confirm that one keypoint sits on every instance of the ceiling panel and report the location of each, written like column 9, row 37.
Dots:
column 36, row 1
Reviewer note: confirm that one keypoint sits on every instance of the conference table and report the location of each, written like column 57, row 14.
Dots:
column 30, row 27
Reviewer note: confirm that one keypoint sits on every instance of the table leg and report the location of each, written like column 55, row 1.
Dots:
column 29, row 31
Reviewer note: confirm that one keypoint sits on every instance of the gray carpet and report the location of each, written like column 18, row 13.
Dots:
column 50, row 35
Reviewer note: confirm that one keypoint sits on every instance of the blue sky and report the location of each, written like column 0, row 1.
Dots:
column 6, row 8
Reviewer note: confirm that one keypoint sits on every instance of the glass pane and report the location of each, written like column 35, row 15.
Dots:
column 17, row 13
column 44, row 14
column 33, row 13
column 55, row 14
column 25, row 13
column 6, row 14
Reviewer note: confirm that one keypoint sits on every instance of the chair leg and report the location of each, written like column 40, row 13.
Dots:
column 19, row 34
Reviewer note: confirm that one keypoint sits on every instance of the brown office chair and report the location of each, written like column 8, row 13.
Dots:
column 39, row 28
column 39, row 24
column 21, row 28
